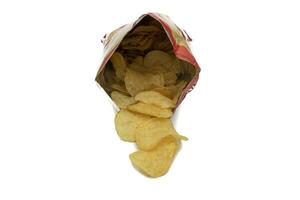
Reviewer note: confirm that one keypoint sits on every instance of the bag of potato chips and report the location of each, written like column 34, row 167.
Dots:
column 147, row 69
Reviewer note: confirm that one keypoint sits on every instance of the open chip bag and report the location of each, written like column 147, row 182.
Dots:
column 147, row 69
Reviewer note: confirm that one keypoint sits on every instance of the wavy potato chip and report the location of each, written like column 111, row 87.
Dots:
column 119, row 64
column 150, row 133
column 151, row 110
column 166, row 91
column 155, row 98
column 157, row 57
column 156, row 163
column 121, row 100
column 126, row 122
column 136, row 82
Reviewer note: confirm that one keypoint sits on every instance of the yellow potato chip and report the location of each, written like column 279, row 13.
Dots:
column 151, row 110
column 119, row 64
column 150, row 133
column 154, row 79
column 121, row 100
column 171, row 91
column 126, row 122
column 155, row 98
column 157, row 57
column 136, row 82
column 166, row 91
column 155, row 163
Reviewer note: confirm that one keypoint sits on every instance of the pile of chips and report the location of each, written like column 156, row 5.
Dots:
column 143, row 39
column 145, row 80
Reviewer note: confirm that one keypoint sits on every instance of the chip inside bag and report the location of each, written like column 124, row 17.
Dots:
column 147, row 69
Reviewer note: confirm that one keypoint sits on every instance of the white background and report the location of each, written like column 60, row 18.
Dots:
column 57, row 138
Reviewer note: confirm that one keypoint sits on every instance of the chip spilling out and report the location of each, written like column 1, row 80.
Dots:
column 155, row 98
column 126, row 122
column 156, row 162
column 152, row 110
column 150, row 132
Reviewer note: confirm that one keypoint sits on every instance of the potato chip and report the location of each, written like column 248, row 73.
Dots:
column 156, row 69
column 121, row 100
column 137, row 67
column 119, row 64
column 166, row 91
column 139, row 60
column 179, row 87
column 136, row 82
column 170, row 78
column 155, row 98
column 119, row 87
column 156, row 163
column 151, row 132
column 126, row 122
column 157, row 57
column 140, row 41
column 176, row 66
column 151, row 110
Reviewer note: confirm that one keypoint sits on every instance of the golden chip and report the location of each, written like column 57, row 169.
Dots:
column 126, row 122
column 136, row 82
column 155, row 163
column 119, row 64
column 121, row 100
column 155, row 98
column 151, row 110
column 150, row 133
column 157, row 57
column 166, row 91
